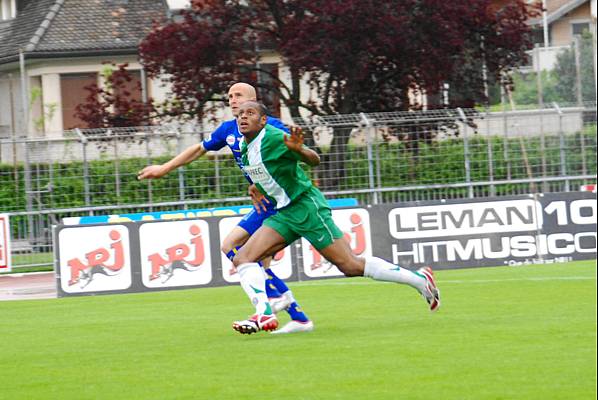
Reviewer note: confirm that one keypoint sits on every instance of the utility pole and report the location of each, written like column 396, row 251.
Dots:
column 545, row 24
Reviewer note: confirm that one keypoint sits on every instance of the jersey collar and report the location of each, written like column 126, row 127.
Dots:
column 257, row 137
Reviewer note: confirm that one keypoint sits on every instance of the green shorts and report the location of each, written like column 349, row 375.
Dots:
column 308, row 216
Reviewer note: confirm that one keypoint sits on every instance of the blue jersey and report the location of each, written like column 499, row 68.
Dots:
column 227, row 134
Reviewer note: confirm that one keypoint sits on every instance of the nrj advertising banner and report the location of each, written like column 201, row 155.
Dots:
column 140, row 256
column 175, row 253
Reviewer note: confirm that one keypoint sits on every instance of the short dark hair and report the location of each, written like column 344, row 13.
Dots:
column 261, row 108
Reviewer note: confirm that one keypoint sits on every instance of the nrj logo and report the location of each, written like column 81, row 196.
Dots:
column 281, row 265
column 356, row 238
column 96, row 262
column 182, row 256
column 355, row 225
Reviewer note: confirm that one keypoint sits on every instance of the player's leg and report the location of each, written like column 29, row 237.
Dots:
column 237, row 238
column 262, row 243
column 339, row 253
column 326, row 237
column 279, row 295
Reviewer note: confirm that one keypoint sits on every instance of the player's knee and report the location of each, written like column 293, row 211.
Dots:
column 239, row 259
column 226, row 248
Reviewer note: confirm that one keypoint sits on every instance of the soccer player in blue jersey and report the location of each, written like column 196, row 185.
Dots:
column 227, row 134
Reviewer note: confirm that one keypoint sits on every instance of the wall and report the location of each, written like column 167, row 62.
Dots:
column 561, row 30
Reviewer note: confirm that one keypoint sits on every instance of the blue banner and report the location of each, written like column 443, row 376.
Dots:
column 180, row 214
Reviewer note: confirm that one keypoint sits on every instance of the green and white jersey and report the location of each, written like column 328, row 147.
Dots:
column 274, row 168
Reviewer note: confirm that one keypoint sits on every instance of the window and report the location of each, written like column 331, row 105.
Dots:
column 578, row 28
column 538, row 36
column 73, row 93
column 8, row 9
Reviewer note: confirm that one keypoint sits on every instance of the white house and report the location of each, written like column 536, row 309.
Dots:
column 556, row 29
column 51, row 49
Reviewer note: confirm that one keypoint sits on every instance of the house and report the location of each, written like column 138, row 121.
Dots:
column 564, row 19
column 51, row 49
column 557, row 28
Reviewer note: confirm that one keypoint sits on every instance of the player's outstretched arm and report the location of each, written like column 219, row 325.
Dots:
column 294, row 142
column 185, row 157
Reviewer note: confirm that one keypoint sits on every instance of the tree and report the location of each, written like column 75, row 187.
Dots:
column 355, row 55
column 566, row 75
column 358, row 55
column 113, row 104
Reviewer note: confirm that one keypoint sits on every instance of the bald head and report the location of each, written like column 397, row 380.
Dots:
column 239, row 93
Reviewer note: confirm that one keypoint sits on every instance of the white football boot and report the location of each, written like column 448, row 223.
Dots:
column 295, row 327
column 431, row 292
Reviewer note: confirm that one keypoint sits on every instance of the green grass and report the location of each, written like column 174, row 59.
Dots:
column 502, row 333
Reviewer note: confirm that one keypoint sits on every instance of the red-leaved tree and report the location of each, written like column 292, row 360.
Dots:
column 355, row 55
column 113, row 104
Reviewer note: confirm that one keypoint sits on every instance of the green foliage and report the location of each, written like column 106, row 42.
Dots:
column 565, row 72
column 437, row 162
column 525, row 88
column 560, row 84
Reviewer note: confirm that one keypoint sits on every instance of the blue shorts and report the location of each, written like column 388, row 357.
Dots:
column 251, row 222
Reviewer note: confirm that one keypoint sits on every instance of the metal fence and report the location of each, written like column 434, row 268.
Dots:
column 374, row 157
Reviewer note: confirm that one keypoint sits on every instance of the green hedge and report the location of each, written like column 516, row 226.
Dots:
column 430, row 163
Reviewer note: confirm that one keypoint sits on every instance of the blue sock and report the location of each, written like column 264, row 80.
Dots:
column 231, row 254
column 295, row 312
column 277, row 282
column 271, row 290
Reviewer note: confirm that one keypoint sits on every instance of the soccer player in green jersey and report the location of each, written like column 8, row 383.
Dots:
column 271, row 158
column 227, row 134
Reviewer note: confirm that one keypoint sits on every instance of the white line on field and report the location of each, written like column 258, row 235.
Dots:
column 338, row 282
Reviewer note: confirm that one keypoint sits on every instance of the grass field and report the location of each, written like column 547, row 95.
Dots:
column 502, row 333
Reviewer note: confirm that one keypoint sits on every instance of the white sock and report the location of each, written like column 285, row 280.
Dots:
column 253, row 281
column 381, row 270
column 289, row 295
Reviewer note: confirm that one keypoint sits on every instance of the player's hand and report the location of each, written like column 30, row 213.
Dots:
column 257, row 198
column 294, row 141
column 151, row 172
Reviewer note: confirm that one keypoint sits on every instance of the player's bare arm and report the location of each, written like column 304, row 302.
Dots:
column 294, row 142
column 258, row 199
column 188, row 155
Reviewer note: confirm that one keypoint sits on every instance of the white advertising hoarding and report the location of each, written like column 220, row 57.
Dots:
column 355, row 225
column 94, row 258
column 281, row 264
column 5, row 256
column 175, row 253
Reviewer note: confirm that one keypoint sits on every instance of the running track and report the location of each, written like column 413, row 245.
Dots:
column 33, row 285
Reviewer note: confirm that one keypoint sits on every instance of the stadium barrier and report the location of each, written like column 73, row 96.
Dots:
column 377, row 158
column 5, row 248
column 154, row 255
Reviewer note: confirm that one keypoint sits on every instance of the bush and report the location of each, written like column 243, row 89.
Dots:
column 437, row 162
